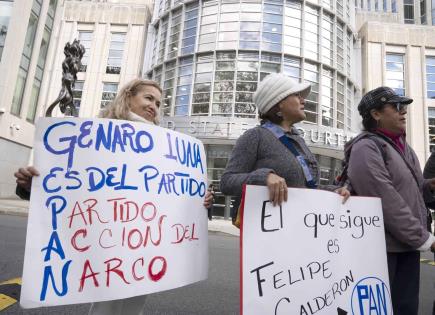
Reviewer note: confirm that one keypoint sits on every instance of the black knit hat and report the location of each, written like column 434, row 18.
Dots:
column 378, row 97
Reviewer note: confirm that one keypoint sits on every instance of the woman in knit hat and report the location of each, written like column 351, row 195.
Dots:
column 274, row 154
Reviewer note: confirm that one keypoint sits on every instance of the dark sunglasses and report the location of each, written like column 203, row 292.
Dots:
column 399, row 106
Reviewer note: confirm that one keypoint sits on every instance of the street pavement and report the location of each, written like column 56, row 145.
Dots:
column 219, row 294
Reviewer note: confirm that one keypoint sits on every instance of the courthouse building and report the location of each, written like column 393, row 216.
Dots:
column 209, row 57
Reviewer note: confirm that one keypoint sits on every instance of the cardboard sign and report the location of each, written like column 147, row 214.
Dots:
column 313, row 255
column 116, row 212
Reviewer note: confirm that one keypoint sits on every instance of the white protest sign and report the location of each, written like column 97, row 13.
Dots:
column 313, row 255
column 117, row 211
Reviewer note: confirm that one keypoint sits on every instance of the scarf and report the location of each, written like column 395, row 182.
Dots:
column 397, row 138
column 134, row 117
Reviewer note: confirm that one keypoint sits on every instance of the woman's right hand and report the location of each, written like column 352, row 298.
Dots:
column 277, row 189
column 24, row 177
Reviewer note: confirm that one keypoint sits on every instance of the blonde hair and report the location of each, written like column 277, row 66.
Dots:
column 119, row 108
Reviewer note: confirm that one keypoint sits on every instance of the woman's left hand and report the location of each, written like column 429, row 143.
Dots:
column 208, row 199
column 342, row 191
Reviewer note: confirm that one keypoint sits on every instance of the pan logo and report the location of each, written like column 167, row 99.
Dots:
column 371, row 296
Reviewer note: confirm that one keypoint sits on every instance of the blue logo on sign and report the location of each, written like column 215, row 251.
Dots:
column 371, row 296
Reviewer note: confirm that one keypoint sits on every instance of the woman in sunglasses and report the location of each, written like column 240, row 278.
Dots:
column 383, row 165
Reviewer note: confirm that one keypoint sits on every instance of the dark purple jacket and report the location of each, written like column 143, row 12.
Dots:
column 403, row 199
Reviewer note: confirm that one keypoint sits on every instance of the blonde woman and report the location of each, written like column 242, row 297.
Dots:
column 138, row 100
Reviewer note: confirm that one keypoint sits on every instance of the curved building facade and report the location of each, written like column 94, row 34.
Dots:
column 209, row 57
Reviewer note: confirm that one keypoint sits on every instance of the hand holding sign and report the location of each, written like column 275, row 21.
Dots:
column 313, row 255
column 116, row 212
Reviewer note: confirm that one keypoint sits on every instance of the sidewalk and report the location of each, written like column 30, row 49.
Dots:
column 20, row 207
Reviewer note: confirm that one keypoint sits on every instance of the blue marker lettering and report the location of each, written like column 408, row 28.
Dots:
column 48, row 177
column 70, row 140
column 170, row 155
column 85, row 130
column 117, row 140
column 150, row 141
column 122, row 184
column 93, row 186
column 127, row 135
column 55, row 208
column 48, row 274
column 147, row 176
column 73, row 175
column 53, row 245
column 102, row 138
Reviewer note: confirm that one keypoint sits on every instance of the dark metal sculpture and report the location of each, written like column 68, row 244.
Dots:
column 70, row 66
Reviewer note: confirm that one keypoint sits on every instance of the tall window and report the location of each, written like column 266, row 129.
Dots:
column 408, row 11
column 161, row 6
column 430, row 76
column 184, row 87
column 433, row 11
column 431, row 118
column 168, row 87
column 327, row 4
column 292, row 68
column 85, row 38
column 155, row 44
column 292, row 28
column 247, row 78
column 327, row 93
column 327, row 39
column 394, row 6
column 25, row 58
column 38, row 76
column 272, row 27
column 175, row 34
column 311, row 32
column 340, row 46
column 190, row 26
column 31, row 113
column 223, row 96
column 349, row 105
column 311, row 75
column 77, row 95
column 423, row 19
column 395, row 72
column 207, row 37
column 109, row 93
column 202, row 86
column 5, row 15
column 250, row 26
column 270, row 63
column 157, row 75
column 339, row 7
column 340, row 101
column 115, row 53
column 349, row 51
column 229, row 26
column 162, row 44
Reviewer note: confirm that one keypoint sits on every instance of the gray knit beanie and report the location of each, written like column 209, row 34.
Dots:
column 276, row 87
